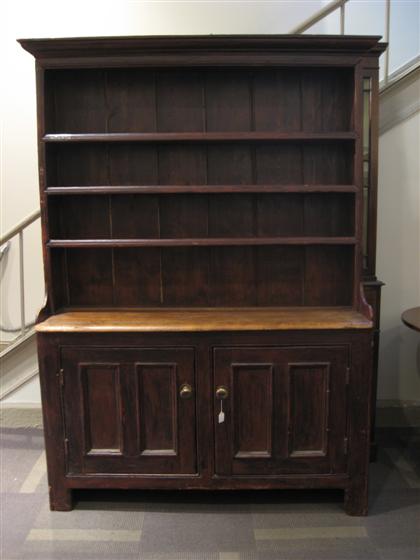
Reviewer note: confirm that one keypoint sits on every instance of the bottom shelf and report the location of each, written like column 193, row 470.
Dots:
column 206, row 319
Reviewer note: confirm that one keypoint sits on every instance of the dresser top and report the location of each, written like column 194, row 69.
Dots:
column 206, row 320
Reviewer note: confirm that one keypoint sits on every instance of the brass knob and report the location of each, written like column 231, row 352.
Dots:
column 222, row 392
column 186, row 391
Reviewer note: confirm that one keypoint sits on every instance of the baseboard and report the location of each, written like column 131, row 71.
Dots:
column 389, row 414
column 398, row 414
column 24, row 415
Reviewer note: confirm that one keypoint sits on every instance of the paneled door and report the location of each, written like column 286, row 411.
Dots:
column 129, row 410
column 280, row 410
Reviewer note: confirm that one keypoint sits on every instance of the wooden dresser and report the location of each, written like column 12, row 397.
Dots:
column 203, row 208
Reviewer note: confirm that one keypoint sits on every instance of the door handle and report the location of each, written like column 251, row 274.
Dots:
column 222, row 392
column 185, row 391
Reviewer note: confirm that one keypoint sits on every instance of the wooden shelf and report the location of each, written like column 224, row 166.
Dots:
column 199, row 136
column 200, row 189
column 206, row 319
column 202, row 242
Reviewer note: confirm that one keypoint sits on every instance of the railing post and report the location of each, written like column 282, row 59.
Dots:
column 342, row 18
column 387, row 34
column 21, row 284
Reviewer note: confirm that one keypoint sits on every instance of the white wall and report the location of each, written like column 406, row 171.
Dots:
column 398, row 257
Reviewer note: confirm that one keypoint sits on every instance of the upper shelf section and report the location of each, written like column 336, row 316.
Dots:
column 193, row 104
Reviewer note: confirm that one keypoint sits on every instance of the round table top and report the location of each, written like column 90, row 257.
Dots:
column 411, row 318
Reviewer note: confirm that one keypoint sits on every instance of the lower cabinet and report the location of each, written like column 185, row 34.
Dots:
column 206, row 412
column 285, row 410
column 129, row 410
column 276, row 410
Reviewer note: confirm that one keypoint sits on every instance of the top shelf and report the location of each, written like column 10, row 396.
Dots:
column 199, row 137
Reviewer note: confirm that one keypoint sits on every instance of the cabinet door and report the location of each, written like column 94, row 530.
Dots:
column 285, row 411
column 123, row 411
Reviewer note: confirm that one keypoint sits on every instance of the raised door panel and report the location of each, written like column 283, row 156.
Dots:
column 123, row 412
column 285, row 411
column 101, row 408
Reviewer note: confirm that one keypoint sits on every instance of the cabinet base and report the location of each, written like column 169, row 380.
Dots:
column 355, row 501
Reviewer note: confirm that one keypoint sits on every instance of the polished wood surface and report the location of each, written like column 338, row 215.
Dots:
column 210, row 319
column 411, row 318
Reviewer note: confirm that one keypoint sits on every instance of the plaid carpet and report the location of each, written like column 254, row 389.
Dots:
column 280, row 525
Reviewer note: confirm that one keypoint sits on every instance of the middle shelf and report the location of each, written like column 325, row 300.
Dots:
column 198, row 189
column 210, row 242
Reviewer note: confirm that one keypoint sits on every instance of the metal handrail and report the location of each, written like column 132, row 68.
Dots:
column 324, row 12
column 20, row 226
column 340, row 4
column 18, row 230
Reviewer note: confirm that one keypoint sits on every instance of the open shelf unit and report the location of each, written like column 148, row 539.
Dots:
column 202, row 186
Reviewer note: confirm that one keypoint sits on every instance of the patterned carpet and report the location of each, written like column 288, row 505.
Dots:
column 200, row 526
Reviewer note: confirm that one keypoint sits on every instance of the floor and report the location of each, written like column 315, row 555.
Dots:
column 199, row 526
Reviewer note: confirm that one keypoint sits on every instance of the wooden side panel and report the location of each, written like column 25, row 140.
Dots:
column 158, row 414
column 252, row 410
column 102, row 418
column 308, row 409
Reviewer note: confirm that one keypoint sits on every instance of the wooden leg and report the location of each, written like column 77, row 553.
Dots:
column 61, row 499
column 356, row 500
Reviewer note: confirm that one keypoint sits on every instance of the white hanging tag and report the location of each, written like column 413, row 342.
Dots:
column 221, row 417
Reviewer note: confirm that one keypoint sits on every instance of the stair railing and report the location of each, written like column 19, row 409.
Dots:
column 341, row 5
column 18, row 230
